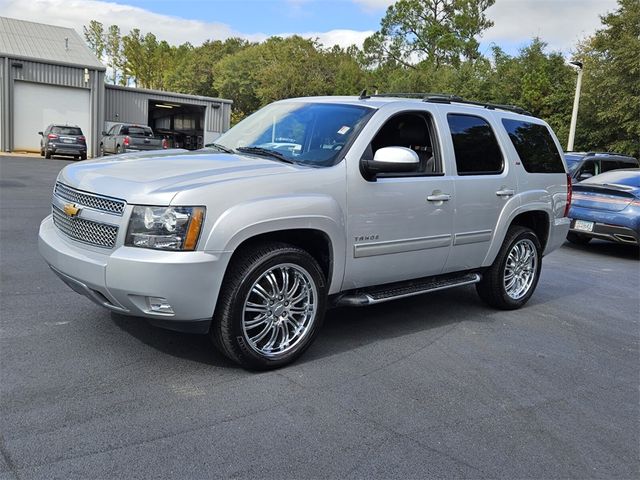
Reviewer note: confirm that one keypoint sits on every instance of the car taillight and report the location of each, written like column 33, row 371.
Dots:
column 82, row 139
column 165, row 144
column 126, row 141
column 52, row 136
column 569, row 195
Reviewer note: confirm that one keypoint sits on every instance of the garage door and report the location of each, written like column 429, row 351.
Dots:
column 37, row 105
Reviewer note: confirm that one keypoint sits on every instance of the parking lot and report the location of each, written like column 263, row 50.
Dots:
column 433, row 386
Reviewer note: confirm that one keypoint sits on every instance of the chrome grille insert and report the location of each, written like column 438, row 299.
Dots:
column 89, row 200
column 86, row 231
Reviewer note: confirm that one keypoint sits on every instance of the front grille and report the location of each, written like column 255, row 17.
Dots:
column 90, row 200
column 93, row 233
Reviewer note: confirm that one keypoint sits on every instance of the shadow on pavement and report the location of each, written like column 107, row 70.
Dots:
column 601, row 247
column 194, row 347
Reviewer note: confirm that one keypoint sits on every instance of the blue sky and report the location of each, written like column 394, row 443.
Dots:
column 561, row 23
column 273, row 16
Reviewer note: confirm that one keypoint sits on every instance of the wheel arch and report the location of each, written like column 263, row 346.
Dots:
column 535, row 217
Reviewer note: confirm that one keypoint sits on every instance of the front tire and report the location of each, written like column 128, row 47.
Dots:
column 512, row 278
column 270, row 307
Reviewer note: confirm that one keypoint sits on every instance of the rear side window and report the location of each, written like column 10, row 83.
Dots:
column 136, row 131
column 536, row 149
column 474, row 143
column 66, row 130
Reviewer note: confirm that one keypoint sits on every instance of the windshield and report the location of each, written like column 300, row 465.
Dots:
column 305, row 133
column 573, row 161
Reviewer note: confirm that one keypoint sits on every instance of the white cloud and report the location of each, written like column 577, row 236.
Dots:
column 76, row 13
column 175, row 30
column 560, row 23
column 344, row 38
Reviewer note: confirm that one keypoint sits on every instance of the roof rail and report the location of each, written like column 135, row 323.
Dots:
column 445, row 98
column 439, row 98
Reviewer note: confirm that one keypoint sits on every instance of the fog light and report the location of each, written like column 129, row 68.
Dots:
column 159, row 304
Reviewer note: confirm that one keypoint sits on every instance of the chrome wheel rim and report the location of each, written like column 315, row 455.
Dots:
column 279, row 310
column 520, row 269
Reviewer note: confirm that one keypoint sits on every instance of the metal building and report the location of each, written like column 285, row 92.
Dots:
column 49, row 75
column 187, row 121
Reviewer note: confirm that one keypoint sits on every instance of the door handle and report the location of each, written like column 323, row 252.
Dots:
column 441, row 197
column 506, row 192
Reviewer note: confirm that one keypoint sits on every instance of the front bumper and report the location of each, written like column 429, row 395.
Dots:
column 123, row 279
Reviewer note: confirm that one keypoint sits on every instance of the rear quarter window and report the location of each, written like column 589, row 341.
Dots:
column 535, row 146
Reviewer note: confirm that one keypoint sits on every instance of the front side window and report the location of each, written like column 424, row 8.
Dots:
column 475, row 146
column 411, row 130
column 305, row 133
column 536, row 149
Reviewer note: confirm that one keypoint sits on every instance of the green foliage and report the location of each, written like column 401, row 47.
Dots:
column 94, row 36
column 609, row 115
column 422, row 46
column 438, row 31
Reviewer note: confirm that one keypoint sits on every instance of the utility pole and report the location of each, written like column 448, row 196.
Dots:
column 576, row 102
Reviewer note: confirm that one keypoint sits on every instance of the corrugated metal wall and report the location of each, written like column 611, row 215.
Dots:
column 51, row 74
column 132, row 106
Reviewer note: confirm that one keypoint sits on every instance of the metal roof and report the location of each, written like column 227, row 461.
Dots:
column 48, row 43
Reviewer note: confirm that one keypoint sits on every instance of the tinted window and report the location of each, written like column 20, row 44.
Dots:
column 475, row 146
column 66, row 130
column 306, row 133
column 536, row 149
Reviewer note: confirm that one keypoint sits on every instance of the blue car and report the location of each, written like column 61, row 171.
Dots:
column 607, row 206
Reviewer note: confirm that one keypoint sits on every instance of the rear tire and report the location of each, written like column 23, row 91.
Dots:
column 512, row 278
column 41, row 152
column 47, row 154
column 83, row 156
column 577, row 238
column 271, row 306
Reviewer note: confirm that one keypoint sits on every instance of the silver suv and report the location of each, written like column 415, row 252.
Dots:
column 311, row 203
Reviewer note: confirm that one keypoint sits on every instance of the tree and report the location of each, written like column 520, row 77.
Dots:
column 609, row 115
column 438, row 31
column 133, row 53
column 113, row 51
column 94, row 36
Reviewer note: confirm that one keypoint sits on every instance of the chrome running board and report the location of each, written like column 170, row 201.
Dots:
column 394, row 291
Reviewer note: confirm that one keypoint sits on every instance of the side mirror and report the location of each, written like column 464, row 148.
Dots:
column 104, row 134
column 41, row 134
column 584, row 176
column 390, row 160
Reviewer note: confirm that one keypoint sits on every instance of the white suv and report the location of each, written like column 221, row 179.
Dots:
column 313, row 202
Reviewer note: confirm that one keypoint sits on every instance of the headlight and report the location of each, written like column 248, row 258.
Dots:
column 165, row 228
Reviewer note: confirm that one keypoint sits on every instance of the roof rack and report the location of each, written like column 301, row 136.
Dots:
column 446, row 98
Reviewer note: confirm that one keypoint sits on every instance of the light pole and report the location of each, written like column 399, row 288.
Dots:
column 576, row 102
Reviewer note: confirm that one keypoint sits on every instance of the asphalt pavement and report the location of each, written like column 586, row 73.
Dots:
column 433, row 386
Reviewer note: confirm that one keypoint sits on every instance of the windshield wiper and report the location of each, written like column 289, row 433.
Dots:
column 222, row 148
column 266, row 152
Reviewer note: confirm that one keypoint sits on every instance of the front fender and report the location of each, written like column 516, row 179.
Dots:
column 272, row 214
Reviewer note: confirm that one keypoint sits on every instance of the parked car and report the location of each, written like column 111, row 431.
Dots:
column 128, row 137
column 583, row 165
column 607, row 206
column 379, row 198
column 65, row 140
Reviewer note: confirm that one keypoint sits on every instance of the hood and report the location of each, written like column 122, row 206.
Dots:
column 157, row 178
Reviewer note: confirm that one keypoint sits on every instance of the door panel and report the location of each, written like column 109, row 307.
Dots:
column 395, row 233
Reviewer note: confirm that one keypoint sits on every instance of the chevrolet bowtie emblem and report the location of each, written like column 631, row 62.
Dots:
column 71, row 210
